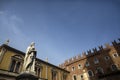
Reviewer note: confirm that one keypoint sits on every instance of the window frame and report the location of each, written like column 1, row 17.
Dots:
column 81, row 77
column 73, row 68
column 74, row 76
column 91, row 73
column 114, row 55
column 16, row 67
column 96, row 61
column 115, row 67
column 101, row 70
column 87, row 64
column 106, row 58
column 79, row 66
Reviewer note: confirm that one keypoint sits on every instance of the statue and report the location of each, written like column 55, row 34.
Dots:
column 7, row 42
column 29, row 60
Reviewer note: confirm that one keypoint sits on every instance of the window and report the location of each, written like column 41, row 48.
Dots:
column 38, row 69
column 81, row 77
column 99, row 70
column 54, row 75
column 115, row 55
column 96, row 60
column 17, row 67
column 87, row 64
column 64, row 76
column 113, row 67
column 79, row 66
column 16, row 62
column 12, row 66
column 73, row 68
column 74, row 77
column 90, row 73
column 106, row 58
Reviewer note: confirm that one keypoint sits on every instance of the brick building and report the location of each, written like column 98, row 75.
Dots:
column 97, row 64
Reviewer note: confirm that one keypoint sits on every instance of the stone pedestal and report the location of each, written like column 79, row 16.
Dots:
column 26, row 76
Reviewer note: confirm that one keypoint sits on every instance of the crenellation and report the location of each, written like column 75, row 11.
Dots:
column 89, row 52
column 94, row 50
column 114, row 42
column 100, row 47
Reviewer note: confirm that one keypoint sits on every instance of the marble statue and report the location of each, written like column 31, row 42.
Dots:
column 29, row 60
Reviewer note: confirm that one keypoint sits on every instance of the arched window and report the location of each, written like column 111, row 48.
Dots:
column 96, row 60
column 87, row 64
column 17, row 67
column 16, row 62
column 81, row 77
column 113, row 67
column 90, row 73
column 115, row 55
column 64, row 76
column 74, row 77
column 39, row 71
column 99, row 71
column 54, row 75
column 79, row 66
column 12, row 66
column 73, row 68
column 106, row 58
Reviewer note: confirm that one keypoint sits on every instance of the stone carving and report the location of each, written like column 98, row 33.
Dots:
column 29, row 60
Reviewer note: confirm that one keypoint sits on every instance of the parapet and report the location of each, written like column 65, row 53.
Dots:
column 91, row 52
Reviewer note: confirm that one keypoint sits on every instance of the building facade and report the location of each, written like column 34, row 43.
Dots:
column 102, row 63
column 11, row 62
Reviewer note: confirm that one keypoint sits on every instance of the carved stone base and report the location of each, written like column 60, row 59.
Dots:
column 26, row 76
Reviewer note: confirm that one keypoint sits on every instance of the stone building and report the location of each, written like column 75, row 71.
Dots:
column 11, row 62
column 102, row 63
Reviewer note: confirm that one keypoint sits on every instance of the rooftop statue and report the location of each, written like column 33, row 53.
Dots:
column 29, row 60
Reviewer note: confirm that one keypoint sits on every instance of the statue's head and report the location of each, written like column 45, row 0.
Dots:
column 32, row 44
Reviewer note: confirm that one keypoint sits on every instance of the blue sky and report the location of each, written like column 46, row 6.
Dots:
column 61, row 29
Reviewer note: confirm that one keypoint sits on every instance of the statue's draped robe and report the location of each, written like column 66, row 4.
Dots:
column 29, row 61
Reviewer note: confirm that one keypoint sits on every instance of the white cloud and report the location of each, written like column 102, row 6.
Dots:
column 10, row 23
column 10, row 29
